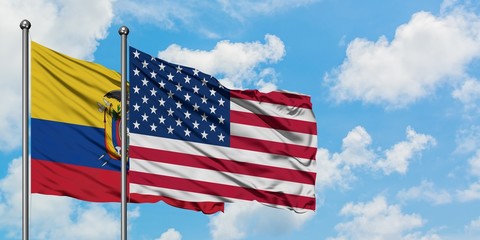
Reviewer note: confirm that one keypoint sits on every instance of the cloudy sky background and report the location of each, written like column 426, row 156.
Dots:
column 394, row 84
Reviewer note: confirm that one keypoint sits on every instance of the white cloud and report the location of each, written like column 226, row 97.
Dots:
column 61, row 25
column 241, row 69
column 473, row 226
column 470, row 194
column 398, row 157
column 468, row 140
column 425, row 191
column 411, row 66
column 53, row 217
column 468, row 93
column 170, row 234
column 474, row 163
column 331, row 171
column 377, row 220
column 357, row 152
column 250, row 218
column 337, row 168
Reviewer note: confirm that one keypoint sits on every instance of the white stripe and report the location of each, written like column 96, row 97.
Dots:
column 221, row 152
column 194, row 197
column 269, row 134
column 271, row 109
column 227, row 178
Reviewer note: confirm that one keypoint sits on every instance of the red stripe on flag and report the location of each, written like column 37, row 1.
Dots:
column 205, row 207
column 283, row 98
column 279, row 123
column 217, row 164
column 96, row 185
column 217, row 189
column 284, row 149
column 85, row 183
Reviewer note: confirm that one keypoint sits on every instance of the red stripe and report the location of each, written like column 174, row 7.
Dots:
column 265, row 146
column 279, row 123
column 205, row 207
column 283, row 98
column 95, row 185
column 217, row 164
column 222, row 190
column 84, row 183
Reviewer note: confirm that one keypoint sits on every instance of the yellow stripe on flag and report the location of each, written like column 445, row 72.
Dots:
column 65, row 89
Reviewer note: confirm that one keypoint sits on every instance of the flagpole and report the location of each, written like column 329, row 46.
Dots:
column 123, row 31
column 25, row 26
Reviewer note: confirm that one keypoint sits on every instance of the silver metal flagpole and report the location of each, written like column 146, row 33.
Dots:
column 123, row 31
column 25, row 26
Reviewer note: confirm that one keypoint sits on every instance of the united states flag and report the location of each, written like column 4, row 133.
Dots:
column 193, row 140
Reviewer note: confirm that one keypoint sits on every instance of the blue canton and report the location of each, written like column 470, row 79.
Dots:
column 178, row 102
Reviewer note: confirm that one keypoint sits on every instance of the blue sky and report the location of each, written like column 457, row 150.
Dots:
column 395, row 89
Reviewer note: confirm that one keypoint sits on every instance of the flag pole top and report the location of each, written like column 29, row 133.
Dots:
column 26, row 24
column 123, row 30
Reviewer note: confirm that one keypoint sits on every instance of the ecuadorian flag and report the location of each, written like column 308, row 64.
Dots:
column 75, row 120
column 75, row 137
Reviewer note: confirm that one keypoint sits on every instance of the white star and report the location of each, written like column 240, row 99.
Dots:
column 144, row 64
column 170, row 94
column 187, row 132
column 204, row 135
column 187, row 97
column 221, row 102
column 212, row 127
column 179, row 122
column 179, row 104
column 187, row 79
column 212, row 92
column 195, row 72
column 179, row 69
column 152, row 58
column 153, row 110
column 136, row 107
column 145, row 99
column 170, row 112
column 204, row 99
column 196, row 124
column 137, row 54
column 204, row 81
column 187, row 115
column 153, row 127
column 204, row 117
column 161, row 84
column 170, row 77
column 196, row 89
column 144, row 82
column 170, row 130
column 161, row 119
column 153, row 74
column 153, row 92
column 195, row 107
column 162, row 67
column 136, row 72
column 145, row 117
column 212, row 109
column 221, row 119
column 161, row 102
column 136, row 89
column 179, row 87
column 221, row 137
column 136, row 125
